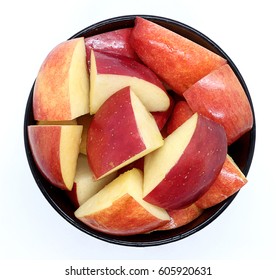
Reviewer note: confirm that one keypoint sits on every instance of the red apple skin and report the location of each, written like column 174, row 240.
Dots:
column 177, row 60
column 103, row 146
column 181, row 217
column 181, row 112
column 220, row 97
column 110, row 64
column 196, row 169
column 115, row 42
column 119, row 221
column 228, row 182
column 47, row 157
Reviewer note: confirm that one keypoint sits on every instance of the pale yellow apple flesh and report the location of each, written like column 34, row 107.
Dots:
column 104, row 210
column 69, row 150
column 152, row 97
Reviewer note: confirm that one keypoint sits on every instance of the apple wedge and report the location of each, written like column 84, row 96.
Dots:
column 55, row 149
column 108, row 74
column 119, row 208
column 184, row 168
column 220, row 97
column 181, row 113
column 179, row 61
column 114, row 42
column 181, row 217
column 85, row 186
column 121, row 132
column 228, row 182
column 61, row 90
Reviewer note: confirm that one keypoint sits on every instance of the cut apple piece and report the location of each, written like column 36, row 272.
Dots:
column 181, row 217
column 108, row 74
column 85, row 186
column 184, row 168
column 115, row 42
column 85, row 121
column 181, row 113
column 121, row 132
column 55, row 149
column 179, row 61
column 119, row 208
column 61, row 90
column 220, row 97
column 228, row 182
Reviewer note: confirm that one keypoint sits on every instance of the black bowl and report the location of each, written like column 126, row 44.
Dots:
column 241, row 151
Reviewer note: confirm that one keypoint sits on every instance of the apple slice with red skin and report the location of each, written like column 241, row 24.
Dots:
column 179, row 61
column 61, row 90
column 109, row 74
column 220, row 97
column 115, row 42
column 181, row 113
column 184, row 168
column 119, row 208
column 121, row 132
column 229, row 181
column 85, row 186
column 181, row 217
column 55, row 149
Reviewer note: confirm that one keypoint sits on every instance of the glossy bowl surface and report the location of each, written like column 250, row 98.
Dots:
column 241, row 151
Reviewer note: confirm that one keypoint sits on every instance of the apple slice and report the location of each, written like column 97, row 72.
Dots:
column 114, row 42
column 85, row 121
column 121, row 132
column 228, row 182
column 220, row 97
column 109, row 74
column 181, row 113
column 181, row 217
column 179, row 61
column 119, row 208
column 184, row 168
column 85, row 186
column 55, row 149
column 61, row 89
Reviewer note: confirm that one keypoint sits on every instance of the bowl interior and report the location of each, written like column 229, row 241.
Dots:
column 242, row 150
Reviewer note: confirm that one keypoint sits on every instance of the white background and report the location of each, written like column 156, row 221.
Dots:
column 31, row 229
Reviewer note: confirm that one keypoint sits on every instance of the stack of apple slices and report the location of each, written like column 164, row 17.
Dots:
column 132, row 156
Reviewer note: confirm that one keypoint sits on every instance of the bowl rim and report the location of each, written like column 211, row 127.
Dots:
column 118, row 240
